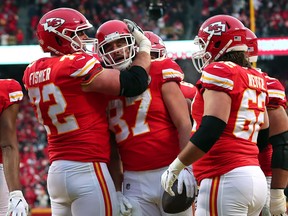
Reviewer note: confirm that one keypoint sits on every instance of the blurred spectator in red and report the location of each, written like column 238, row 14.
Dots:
column 30, row 195
column 34, row 158
column 19, row 36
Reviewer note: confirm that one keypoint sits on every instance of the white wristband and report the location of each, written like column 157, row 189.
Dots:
column 145, row 46
column 176, row 166
column 277, row 193
column 17, row 193
column 142, row 41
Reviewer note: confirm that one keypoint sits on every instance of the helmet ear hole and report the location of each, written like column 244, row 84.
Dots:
column 217, row 44
column 228, row 26
column 58, row 40
column 129, row 40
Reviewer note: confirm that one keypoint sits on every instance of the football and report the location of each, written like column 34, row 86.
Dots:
column 177, row 203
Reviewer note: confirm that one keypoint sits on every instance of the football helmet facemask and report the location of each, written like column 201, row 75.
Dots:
column 218, row 35
column 109, row 34
column 58, row 30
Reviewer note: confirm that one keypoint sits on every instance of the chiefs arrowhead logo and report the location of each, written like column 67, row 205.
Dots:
column 216, row 28
column 52, row 24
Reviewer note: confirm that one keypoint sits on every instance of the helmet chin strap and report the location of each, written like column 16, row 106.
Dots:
column 54, row 51
column 223, row 50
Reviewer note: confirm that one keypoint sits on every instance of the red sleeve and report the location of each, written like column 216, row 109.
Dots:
column 171, row 71
column 11, row 92
column 218, row 76
column 276, row 93
column 85, row 66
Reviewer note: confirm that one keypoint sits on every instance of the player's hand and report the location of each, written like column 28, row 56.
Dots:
column 187, row 178
column 141, row 40
column 125, row 205
column 132, row 26
column 170, row 175
column 17, row 205
column 277, row 202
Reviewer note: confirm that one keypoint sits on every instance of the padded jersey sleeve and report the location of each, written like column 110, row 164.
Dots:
column 85, row 66
column 171, row 71
column 12, row 92
column 276, row 93
column 218, row 76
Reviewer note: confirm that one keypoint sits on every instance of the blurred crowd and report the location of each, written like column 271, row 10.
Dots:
column 181, row 20
column 34, row 156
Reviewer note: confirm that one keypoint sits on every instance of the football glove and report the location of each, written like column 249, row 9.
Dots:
column 277, row 202
column 125, row 205
column 141, row 40
column 170, row 175
column 17, row 205
column 133, row 26
column 186, row 177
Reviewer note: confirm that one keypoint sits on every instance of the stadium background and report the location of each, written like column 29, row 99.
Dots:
column 178, row 20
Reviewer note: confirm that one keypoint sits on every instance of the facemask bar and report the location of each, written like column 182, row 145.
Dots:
column 201, row 58
column 75, row 45
column 90, row 45
column 87, row 45
column 159, row 53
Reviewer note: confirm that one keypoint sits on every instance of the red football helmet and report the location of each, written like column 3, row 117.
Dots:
column 158, row 49
column 116, row 56
column 218, row 35
column 252, row 44
column 57, row 29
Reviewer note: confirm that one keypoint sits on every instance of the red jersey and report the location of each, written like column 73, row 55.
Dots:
column 10, row 93
column 236, row 146
column 276, row 94
column 146, row 136
column 75, row 121
column 188, row 89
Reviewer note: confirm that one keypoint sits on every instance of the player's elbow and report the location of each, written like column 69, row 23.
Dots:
column 133, row 82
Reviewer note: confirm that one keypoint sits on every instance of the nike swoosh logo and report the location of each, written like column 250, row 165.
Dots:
column 18, row 202
column 270, row 83
column 83, row 57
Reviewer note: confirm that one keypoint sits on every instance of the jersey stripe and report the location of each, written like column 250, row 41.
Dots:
column 216, row 80
column 15, row 96
column 87, row 67
column 105, row 191
column 274, row 93
column 171, row 73
column 213, row 196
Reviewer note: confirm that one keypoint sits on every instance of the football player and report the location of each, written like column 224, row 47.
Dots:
column 12, row 203
column 273, row 155
column 150, row 129
column 69, row 94
column 229, row 114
